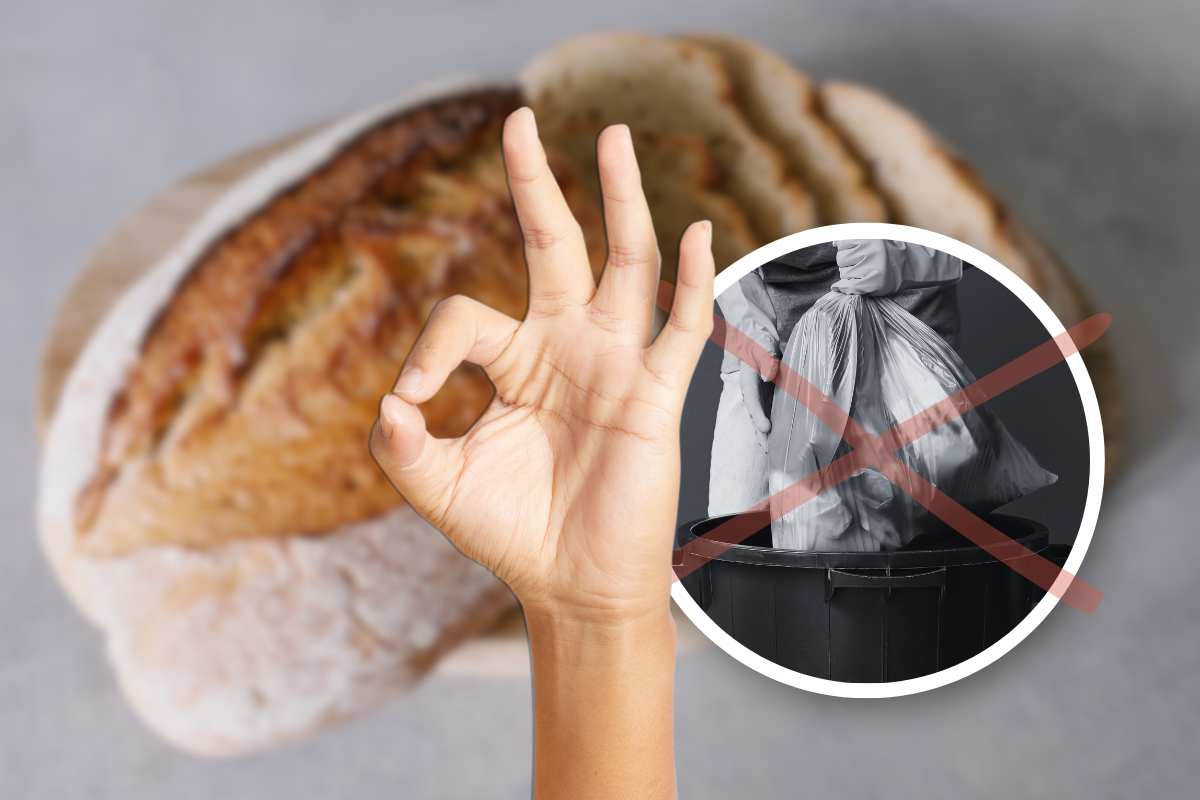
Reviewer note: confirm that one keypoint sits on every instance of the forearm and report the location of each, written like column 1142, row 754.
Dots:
column 924, row 266
column 603, row 706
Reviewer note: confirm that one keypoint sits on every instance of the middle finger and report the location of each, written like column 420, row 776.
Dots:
column 628, row 286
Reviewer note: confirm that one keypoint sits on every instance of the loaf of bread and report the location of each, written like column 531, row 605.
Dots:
column 207, row 496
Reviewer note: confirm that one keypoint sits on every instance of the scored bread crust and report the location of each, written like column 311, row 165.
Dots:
column 251, row 642
column 297, row 318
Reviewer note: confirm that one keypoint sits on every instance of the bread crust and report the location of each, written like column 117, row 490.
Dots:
column 236, row 419
column 250, row 642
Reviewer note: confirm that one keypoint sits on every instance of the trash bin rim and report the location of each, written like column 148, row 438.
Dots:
column 1033, row 538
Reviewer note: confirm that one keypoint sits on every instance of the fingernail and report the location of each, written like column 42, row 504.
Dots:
column 388, row 414
column 410, row 381
column 706, row 226
column 532, row 118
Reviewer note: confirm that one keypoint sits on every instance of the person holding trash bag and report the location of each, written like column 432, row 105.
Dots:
column 859, row 348
column 766, row 304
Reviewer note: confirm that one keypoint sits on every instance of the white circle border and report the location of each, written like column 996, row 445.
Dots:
column 1091, row 508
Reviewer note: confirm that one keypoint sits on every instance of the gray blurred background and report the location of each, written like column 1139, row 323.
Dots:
column 1083, row 115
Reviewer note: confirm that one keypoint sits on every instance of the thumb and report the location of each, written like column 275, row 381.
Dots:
column 422, row 468
column 766, row 364
column 763, row 442
column 752, row 399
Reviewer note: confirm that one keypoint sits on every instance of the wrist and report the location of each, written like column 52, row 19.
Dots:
column 591, row 634
column 603, row 702
column 641, row 600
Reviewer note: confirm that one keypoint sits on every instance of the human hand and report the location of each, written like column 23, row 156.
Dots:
column 886, row 266
column 863, row 268
column 752, row 376
column 566, row 487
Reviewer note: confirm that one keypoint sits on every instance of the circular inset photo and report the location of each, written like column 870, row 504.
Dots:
column 892, row 466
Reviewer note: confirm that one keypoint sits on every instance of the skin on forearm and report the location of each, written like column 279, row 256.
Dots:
column 581, row 437
column 603, row 705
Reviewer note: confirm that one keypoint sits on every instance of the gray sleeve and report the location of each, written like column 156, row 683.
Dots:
column 747, row 307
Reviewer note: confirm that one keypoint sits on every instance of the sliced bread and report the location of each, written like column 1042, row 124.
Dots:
column 669, row 87
column 781, row 104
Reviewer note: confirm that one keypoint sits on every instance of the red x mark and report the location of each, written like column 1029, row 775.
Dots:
column 878, row 452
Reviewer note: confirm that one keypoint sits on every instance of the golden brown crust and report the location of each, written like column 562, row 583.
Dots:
column 246, row 413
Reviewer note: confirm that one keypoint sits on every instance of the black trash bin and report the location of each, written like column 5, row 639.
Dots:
column 865, row 617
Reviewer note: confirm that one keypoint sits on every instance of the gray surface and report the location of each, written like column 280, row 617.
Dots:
column 1085, row 118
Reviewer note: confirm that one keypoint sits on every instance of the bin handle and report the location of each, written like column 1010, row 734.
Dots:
column 836, row 579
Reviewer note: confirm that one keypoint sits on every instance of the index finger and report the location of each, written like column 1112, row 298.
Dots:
column 555, row 253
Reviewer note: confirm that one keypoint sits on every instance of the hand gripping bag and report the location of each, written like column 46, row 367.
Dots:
column 883, row 366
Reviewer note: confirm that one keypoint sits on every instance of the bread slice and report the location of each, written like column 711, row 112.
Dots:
column 680, row 181
column 924, row 184
column 781, row 104
column 206, row 492
column 668, row 87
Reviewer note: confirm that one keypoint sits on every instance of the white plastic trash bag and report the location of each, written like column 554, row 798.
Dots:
column 883, row 366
